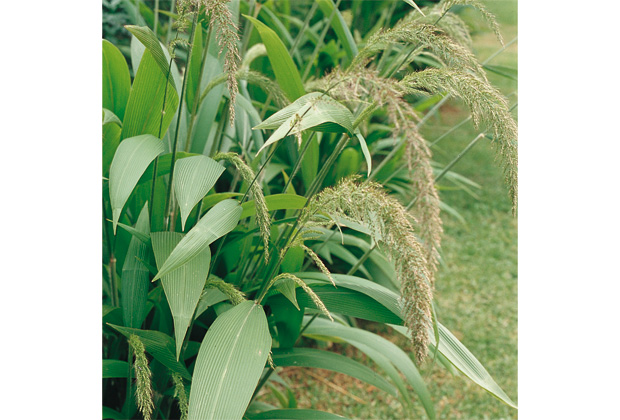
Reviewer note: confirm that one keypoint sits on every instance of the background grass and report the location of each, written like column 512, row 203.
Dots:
column 476, row 288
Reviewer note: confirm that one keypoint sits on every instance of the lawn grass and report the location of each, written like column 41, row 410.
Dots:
column 476, row 287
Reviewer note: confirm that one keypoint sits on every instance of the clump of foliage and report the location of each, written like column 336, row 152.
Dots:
column 228, row 254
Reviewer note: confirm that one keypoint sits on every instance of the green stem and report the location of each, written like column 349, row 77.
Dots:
column 262, row 382
column 156, row 17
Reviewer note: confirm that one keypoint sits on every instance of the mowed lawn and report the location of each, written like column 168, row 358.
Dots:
column 476, row 287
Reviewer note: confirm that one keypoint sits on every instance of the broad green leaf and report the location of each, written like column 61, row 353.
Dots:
column 163, row 166
column 229, row 364
column 218, row 221
column 143, row 114
column 212, row 199
column 111, row 137
column 315, row 358
column 340, row 27
column 315, row 111
column 208, row 298
column 131, row 159
column 115, row 368
column 135, row 276
column 286, row 318
column 296, row 413
column 195, row 176
column 147, row 37
column 182, row 286
column 159, row 345
column 464, row 361
column 368, row 342
column 207, row 110
column 385, row 297
column 116, row 80
column 283, row 66
column 274, row 202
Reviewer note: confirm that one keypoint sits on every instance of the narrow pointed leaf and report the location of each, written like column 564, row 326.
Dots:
column 340, row 27
column 218, row 221
column 159, row 345
column 135, row 276
column 182, row 286
column 131, row 159
column 143, row 114
column 229, row 364
column 195, row 176
column 464, row 361
column 365, row 150
column 147, row 37
column 415, row 6
column 362, row 339
column 283, row 66
column 321, row 359
column 116, row 80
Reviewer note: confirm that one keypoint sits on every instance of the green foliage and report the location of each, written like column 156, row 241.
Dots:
column 268, row 251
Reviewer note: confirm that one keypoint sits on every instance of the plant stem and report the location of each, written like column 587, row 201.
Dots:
column 156, row 17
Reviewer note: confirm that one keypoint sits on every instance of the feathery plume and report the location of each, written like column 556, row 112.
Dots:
column 365, row 84
column 227, row 36
column 423, row 35
column 389, row 223
column 235, row 296
column 445, row 6
column 487, row 105
column 144, row 391
column 262, row 213
column 180, row 394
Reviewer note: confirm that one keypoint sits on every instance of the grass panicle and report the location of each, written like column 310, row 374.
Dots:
column 227, row 36
column 368, row 204
column 446, row 5
column 365, row 85
column 180, row 395
column 144, row 390
column 262, row 213
column 266, row 84
column 235, row 296
column 432, row 38
column 488, row 107
column 317, row 300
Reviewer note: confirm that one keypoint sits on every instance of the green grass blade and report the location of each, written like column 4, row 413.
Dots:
column 195, row 176
column 195, row 61
column 296, row 413
column 131, row 159
column 361, row 338
column 159, row 345
column 115, row 368
column 275, row 202
column 147, row 37
column 182, row 286
column 231, row 359
column 320, row 359
column 283, row 66
column 143, row 113
column 218, row 221
column 465, row 362
column 340, row 27
column 135, row 276
column 116, row 79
